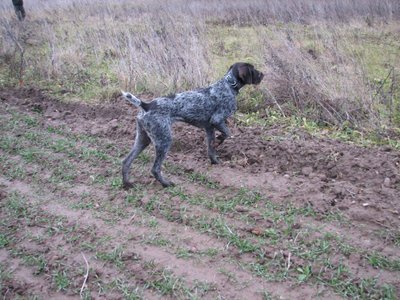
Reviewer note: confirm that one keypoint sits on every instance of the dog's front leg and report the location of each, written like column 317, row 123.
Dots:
column 218, row 122
column 225, row 132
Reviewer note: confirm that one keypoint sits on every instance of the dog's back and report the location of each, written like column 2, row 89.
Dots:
column 198, row 106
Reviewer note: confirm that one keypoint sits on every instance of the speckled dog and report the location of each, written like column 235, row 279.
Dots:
column 206, row 108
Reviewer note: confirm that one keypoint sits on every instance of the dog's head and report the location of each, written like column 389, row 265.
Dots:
column 246, row 73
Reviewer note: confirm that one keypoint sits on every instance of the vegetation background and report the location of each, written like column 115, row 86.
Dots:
column 331, row 62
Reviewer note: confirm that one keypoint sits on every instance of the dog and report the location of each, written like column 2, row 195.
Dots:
column 206, row 108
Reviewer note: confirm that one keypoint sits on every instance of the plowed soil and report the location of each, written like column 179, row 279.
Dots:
column 285, row 215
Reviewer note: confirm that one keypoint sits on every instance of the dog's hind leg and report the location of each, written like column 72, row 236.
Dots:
column 162, row 143
column 210, row 132
column 142, row 140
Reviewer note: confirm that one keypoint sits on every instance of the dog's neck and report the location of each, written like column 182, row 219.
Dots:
column 233, row 82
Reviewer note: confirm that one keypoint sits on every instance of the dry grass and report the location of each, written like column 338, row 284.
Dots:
column 317, row 54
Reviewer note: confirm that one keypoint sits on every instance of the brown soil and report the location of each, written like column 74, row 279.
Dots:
column 353, row 192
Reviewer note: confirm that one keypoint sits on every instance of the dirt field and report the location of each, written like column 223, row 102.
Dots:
column 284, row 216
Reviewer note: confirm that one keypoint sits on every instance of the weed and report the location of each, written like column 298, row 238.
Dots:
column 201, row 288
column 16, row 205
column 4, row 277
column 153, row 223
column 30, row 154
column 304, row 273
column 151, row 204
column 222, row 229
column 272, row 234
column 128, row 291
column 15, row 171
column 268, row 296
column 184, row 253
column 266, row 270
column 364, row 289
column 380, row 261
column 61, row 280
column 157, row 240
column 8, row 143
column 167, row 283
column 116, row 183
column 178, row 191
column 209, row 252
column 389, row 235
column 39, row 261
column 229, row 275
column 4, row 240
column 31, row 121
column 64, row 173
column 202, row 179
column 113, row 257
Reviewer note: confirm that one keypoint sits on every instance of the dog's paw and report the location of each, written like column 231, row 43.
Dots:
column 127, row 185
column 167, row 183
column 214, row 161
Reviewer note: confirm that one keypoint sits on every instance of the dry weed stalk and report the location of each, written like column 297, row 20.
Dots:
column 85, row 277
column 322, row 82
column 15, row 35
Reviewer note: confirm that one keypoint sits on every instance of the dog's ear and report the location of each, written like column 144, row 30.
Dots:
column 245, row 73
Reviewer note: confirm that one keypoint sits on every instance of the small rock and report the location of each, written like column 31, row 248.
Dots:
column 255, row 215
column 239, row 208
column 386, row 182
column 114, row 124
column 257, row 231
column 306, row 171
column 53, row 115
column 365, row 204
column 323, row 177
column 286, row 176
column 296, row 226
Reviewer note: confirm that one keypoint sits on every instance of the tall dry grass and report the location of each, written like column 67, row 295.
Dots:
column 306, row 47
column 320, row 80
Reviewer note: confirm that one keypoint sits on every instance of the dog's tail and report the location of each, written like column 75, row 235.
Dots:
column 132, row 99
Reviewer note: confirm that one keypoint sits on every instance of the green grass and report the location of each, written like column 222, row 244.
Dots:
column 114, row 256
column 5, row 276
column 363, row 137
column 16, row 206
column 129, row 291
column 168, row 284
column 37, row 261
column 380, row 261
column 4, row 240
column 61, row 280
